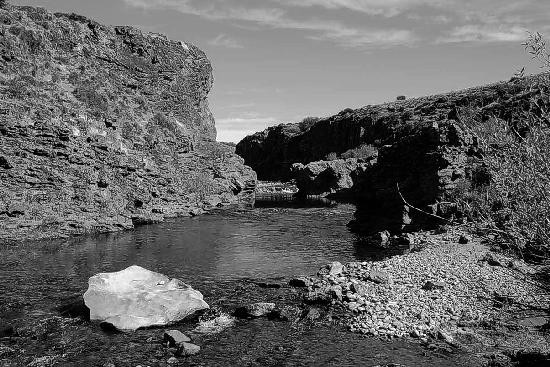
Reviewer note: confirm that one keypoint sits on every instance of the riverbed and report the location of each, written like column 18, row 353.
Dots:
column 224, row 255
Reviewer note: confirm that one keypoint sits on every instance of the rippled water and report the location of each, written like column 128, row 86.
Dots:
column 221, row 255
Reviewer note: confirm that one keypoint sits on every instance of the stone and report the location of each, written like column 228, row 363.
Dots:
column 301, row 282
column 433, row 285
column 336, row 292
column 136, row 297
column 172, row 360
column 312, row 314
column 319, row 296
column 463, row 240
column 378, row 276
column 214, row 325
column 287, row 313
column 380, row 240
column 173, row 338
column 187, row 349
column 255, row 310
column 334, row 268
column 446, row 337
column 326, row 177
column 492, row 259
column 361, row 289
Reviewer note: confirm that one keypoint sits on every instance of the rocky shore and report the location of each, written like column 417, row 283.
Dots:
column 451, row 288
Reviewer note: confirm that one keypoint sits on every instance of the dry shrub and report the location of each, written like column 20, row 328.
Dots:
column 510, row 191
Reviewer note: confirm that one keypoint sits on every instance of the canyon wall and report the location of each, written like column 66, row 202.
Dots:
column 102, row 128
column 425, row 151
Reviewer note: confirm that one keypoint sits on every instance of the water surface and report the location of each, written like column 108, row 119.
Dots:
column 222, row 255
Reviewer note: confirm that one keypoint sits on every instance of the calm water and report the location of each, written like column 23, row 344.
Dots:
column 221, row 255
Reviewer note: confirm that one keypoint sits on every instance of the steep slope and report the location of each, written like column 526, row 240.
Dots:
column 272, row 152
column 104, row 127
column 424, row 152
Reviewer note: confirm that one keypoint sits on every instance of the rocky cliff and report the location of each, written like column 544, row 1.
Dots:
column 424, row 152
column 104, row 127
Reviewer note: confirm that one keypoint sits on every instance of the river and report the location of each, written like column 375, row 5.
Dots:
column 224, row 255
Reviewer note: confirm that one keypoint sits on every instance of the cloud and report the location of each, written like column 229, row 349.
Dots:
column 278, row 18
column 368, row 24
column 234, row 129
column 388, row 8
column 223, row 40
column 484, row 34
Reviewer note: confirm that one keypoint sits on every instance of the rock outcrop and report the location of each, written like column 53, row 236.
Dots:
column 136, row 297
column 424, row 151
column 102, row 128
column 334, row 178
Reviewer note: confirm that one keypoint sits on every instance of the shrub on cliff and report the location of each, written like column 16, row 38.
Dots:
column 307, row 123
column 510, row 191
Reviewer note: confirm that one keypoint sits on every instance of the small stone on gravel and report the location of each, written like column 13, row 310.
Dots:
column 174, row 338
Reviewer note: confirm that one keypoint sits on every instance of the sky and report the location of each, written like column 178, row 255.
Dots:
column 278, row 61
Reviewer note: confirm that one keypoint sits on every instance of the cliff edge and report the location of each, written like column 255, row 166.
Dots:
column 105, row 127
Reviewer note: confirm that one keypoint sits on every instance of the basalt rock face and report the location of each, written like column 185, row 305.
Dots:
column 326, row 178
column 104, row 127
column 407, row 189
column 424, row 154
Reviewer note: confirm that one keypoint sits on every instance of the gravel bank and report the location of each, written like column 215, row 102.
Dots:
column 439, row 291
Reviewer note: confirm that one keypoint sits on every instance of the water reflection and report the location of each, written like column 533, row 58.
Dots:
column 208, row 251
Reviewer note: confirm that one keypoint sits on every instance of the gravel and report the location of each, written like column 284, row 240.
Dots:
column 464, row 292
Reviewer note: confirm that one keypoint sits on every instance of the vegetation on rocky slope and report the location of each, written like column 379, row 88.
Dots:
column 510, row 192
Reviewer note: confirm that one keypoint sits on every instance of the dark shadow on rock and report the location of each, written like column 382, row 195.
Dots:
column 75, row 308
column 6, row 331
column 109, row 328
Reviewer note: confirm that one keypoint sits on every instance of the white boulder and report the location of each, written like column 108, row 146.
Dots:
column 136, row 297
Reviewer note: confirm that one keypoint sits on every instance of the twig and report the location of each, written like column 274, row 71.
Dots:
column 420, row 210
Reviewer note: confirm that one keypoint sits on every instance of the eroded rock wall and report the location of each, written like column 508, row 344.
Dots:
column 424, row 152
column 105, row 127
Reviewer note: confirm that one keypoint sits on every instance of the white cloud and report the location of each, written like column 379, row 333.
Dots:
column 234, row 129
column 223, row 40
column 484, row 34
column 389, row 8
column 376, row 23
column 277, row 18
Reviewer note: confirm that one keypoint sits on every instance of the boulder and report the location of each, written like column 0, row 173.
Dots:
column 136, row 297
column 326, row 177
